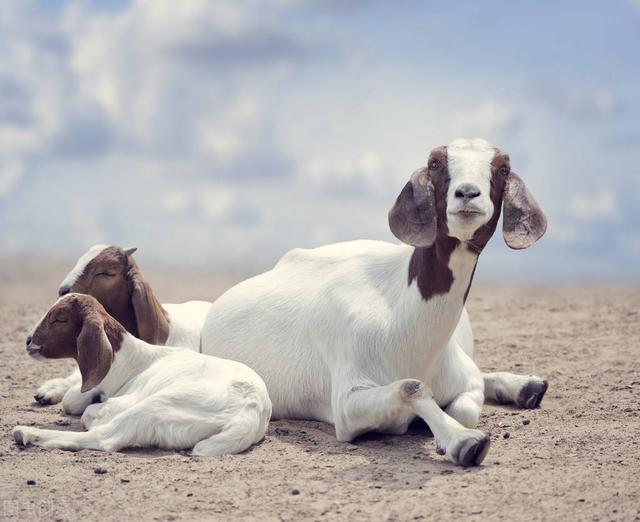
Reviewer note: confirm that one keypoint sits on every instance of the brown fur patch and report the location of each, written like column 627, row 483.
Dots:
column 429, row 266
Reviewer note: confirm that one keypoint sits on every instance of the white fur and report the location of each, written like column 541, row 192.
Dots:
column 335, row 332
column 81, row 264
column 169, row 398
column 469, row 161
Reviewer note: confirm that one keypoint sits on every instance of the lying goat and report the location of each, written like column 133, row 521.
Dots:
column 111, row 275
column 157, row 396
column 367, row 335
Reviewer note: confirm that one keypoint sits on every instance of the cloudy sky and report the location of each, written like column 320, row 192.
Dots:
column 227, row 132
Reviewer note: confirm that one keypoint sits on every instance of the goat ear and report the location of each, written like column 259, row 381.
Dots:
column 413, row 218
column 130, row 251
column 95, row 354
column 523, row 221
column 151, row 318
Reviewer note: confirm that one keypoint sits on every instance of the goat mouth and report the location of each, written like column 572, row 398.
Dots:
column 467, row 212
column 35, row 351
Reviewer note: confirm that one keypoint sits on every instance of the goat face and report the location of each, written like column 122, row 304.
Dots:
column 460, row 193
column 54, row 337
column 101, row 272
column 78, row 327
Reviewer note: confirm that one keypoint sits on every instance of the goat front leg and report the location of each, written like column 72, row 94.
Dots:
column 75, row 402
column 358, row 409
column 525, row 391
column 458, row 385
column 53, row 390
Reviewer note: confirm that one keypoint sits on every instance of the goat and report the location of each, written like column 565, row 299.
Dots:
column 112, row 276
column 158, row 396
column 367, row 335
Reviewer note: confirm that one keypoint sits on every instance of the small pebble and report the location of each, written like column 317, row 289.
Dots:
column 31, row 482
column 99, row 471
column 295, row 491
column 506, row 435
column 526, row 422
column 124, row 481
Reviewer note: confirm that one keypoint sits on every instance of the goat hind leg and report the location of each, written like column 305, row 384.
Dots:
column 368, row 407
column 525, row 391
column 56, row 439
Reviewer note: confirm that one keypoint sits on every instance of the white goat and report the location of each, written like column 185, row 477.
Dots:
column 156, row 396
column 365, row 334
column 111, row 275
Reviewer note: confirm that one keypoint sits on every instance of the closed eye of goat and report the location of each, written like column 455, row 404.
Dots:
column 156, row 396
column 367, row 335
column 112, row 276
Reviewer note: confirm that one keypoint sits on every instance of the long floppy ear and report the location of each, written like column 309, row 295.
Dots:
column 95, row 353
column 413, row 218
column 523, row 221
column 151, row 318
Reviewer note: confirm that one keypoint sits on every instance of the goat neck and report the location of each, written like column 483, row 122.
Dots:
column 131, row 358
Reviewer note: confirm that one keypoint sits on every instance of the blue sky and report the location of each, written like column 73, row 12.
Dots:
column 229, row 132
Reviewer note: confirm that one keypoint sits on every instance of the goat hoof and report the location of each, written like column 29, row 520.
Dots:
column 410, row 389
column 42, row 399
column 51, row 392
column 531, row 395
column 20, row 436
column 472, row 451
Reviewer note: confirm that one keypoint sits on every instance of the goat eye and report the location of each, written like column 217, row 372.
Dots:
column 105, row 274
column 58, row 320
column 434, row 165
column 504, row 170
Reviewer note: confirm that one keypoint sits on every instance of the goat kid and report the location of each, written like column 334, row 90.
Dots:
column 367, row 335
column 156, row 396
column 112, row 276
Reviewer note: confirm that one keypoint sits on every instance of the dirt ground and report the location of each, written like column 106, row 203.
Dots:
column 575, row 458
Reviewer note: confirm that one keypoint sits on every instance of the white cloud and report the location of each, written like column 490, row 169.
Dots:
column 490, row 118
column 600, row 206
column 355, row 176
column 215, row 201
column 9, row 175
column 579, row 103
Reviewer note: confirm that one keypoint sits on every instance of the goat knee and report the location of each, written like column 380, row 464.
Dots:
column 75, row 402
column 466, row 408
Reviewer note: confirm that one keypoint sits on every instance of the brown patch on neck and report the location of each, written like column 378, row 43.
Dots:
column 430, row 267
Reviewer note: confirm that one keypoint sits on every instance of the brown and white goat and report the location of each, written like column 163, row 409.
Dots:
column 155, row 396
column 367, row 335
column 112, row 276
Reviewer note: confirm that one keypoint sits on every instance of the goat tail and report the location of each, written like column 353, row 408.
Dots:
column 247, row 427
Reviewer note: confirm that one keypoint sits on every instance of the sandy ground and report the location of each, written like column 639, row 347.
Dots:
column 577, row 458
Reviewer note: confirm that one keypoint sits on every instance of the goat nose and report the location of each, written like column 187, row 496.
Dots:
column 29, row 340
column 467, row 191
column 63, row 290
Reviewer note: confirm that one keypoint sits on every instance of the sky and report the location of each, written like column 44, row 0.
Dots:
column 227, row 132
